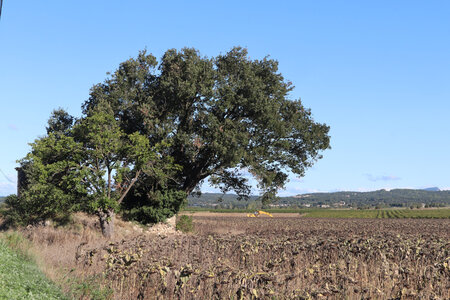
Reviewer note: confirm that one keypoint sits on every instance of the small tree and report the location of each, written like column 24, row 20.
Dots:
column 50, row 190
column 113, row 162
column 90, row 166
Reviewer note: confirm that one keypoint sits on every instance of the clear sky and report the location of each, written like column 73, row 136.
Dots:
column 377, row 72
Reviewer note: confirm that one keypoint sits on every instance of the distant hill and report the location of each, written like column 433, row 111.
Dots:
column 432, row 189
column 380, row 198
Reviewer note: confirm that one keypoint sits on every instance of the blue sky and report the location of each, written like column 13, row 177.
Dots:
column 378, row 73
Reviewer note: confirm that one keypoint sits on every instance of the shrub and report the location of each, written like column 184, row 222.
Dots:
column 148, row 207
column 184, row 224
column 148, row 214
column 33, row 208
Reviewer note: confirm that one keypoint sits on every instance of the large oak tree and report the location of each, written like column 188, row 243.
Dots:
column 220, row 115
column 154, row 130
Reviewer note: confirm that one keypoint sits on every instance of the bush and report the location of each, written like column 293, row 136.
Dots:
column 2, row 208
column 184, row 224
column 148, row 214
column 32, row 208
column 147, row 207
column 13, row 211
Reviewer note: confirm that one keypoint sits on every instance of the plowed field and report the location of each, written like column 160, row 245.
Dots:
column 232, row 256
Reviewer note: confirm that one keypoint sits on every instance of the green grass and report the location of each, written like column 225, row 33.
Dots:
column 20, row 278
column 443, row 213
column 438, row 213
column 341, row 213
column 184, row 224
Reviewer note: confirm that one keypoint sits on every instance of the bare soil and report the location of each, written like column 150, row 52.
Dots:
column 238, row 215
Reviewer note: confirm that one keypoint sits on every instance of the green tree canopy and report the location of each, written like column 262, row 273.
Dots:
column 50, row 190
column 113, row 161
column 88, row 165
column 220, row 116
column 153, row 131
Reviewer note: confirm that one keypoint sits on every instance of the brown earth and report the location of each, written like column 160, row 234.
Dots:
column 233, row 256
column 239, row 215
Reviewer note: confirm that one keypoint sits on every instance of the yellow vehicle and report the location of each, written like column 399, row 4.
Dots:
column 258, row 213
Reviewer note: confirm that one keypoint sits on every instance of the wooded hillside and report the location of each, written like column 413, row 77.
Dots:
column 380, row 198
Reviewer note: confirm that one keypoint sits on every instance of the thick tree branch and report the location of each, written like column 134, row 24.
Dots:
column 129, row 187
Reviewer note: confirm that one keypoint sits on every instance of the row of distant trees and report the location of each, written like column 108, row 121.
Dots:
column 374, row 199
column 153, row 131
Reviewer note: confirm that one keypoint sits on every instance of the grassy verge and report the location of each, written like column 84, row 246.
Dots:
column 23, row 274
column 20, row 278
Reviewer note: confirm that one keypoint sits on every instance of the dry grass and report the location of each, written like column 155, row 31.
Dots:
column 240, row 257
column 56, row 250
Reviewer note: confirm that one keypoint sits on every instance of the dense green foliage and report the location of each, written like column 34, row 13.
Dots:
column 158, row 206
column 2, row 205
column 50, row 188
column 379, row 199
column 90, row 165
column 20, row 278
column 153, row 131
column 220, row 116
column 395, row 197
column 185, row 223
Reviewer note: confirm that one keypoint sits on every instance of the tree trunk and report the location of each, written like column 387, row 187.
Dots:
column 107, row 222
